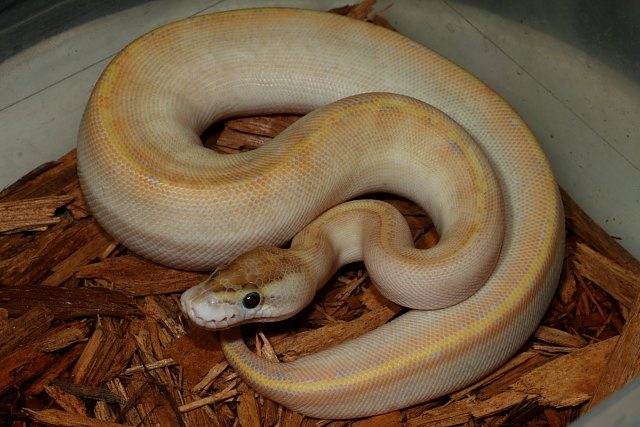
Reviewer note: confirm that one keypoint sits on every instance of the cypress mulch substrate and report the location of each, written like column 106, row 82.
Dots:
column 92, row 335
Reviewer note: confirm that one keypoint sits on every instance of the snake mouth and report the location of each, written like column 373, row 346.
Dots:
column 206, row 312
column 210, row 324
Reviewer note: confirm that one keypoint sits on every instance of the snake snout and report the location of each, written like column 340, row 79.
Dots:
column 206, row 312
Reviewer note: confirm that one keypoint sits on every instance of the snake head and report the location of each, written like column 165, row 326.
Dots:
column 266, row 284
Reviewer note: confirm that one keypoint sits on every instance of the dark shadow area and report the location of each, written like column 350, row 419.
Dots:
column 24, row 23
column 606, row 29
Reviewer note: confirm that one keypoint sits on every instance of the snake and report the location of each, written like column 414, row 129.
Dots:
column 383, row 114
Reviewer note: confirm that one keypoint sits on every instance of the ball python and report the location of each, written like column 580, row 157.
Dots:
column 387, row 114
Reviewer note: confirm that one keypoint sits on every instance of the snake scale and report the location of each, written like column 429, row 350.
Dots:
column 390, row 115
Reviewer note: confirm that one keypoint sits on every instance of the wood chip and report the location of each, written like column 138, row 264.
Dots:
column 621, row 283
column 498, row 403
column 136, row 276
column 454, row 413
column 29, row 360
column 556, row 336
column 66, row 401
column 105, row 355
column 564, row 381
column 41, row 252
column 25, row 328
column 55, row 369
column 248, row 414
column 89, row 392
column 197, row 352
column 624, row 363
column 46, row 180
column 511, row 366
column 208, row 379
column 269, row 126
column 216, row 397
column 66, row 303
column 265, row 349
column 98, row 247
column 154, row 365
column 580, row 223
column 56, row 417
column 66, row 337
column 392, row 419
column 308, row 342
column 31, row 214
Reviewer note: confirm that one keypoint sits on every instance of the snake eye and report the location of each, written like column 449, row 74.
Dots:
column 251, row 300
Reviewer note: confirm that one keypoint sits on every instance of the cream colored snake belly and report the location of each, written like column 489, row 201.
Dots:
column 152, row 185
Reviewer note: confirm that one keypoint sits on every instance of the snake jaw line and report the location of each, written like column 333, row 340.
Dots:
column 207, row 311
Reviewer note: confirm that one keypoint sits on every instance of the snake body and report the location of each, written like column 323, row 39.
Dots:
column 152, row 185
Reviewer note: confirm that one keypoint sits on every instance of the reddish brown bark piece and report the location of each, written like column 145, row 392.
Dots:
column 56, row 417
column 50, row 179
column 247, row 133
column 89, row 392
column 315, row 340
column 580, row 223
column 25, row 328
column 624, row 363
column 65, row 400
column 559, row 383
column 139, row 277
column 105, row 355
column 364, row 12
column 97, row 247
column 564, row 381
column 248, row 414
column 23, row 364
column 39, row 253
column 269, row 126
column 55, row 369
column 66, row 303
column 31, row 359
column 392, row 419
column 30, row 215
column 556, row 336
column 197, row 352
column 619, row 282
